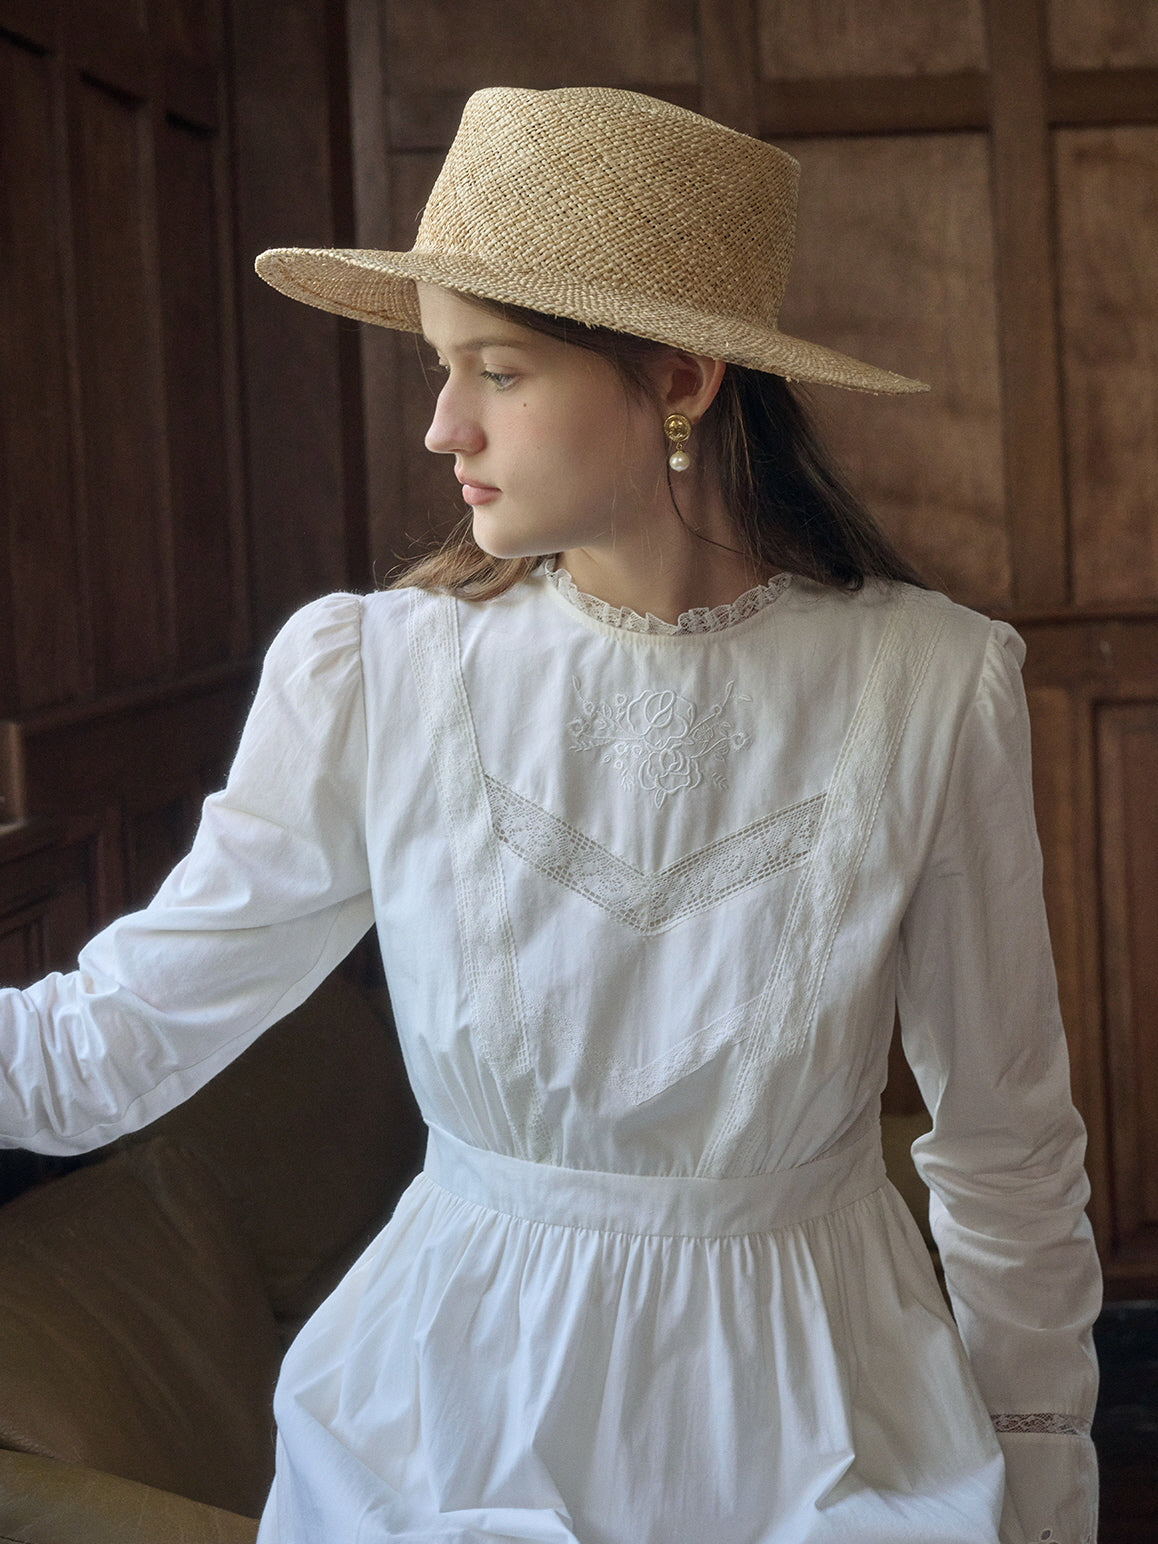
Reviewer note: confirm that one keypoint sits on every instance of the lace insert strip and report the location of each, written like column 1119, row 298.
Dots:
column 1043, row 1424
column 652, row 903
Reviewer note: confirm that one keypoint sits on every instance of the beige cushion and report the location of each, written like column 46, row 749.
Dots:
column 135, row 1333
column 45, row 1501
column 314, row 1131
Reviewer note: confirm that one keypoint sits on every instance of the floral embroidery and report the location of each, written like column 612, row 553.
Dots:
column 658, row 741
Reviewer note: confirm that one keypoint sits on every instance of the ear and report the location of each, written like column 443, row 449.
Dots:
column 687, row 383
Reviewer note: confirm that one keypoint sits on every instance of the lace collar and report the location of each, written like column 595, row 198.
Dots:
column 702, row 619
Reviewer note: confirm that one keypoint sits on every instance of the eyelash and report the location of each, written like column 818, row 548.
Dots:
column 497, row 378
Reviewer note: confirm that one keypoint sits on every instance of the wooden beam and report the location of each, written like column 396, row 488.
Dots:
column 893, row 104
column 1027, row 300
column 1102, row 96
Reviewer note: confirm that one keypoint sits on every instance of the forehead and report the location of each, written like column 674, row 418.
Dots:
column 452, row 320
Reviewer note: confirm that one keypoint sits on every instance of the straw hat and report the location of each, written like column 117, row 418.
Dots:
column 607, row 207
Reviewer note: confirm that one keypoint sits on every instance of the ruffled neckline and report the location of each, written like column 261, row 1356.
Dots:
column 701, row 619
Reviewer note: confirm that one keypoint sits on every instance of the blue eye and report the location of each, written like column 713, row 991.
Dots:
column 501, row 382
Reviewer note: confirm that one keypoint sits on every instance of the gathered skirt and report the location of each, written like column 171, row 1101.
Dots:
column 532, row 1353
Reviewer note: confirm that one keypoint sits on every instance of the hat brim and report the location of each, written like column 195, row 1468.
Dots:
column 378, row 287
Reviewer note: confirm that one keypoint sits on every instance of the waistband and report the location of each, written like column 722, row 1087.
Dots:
column 655, row 1205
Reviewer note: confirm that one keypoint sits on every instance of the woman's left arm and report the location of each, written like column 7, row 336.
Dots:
column 1004, row 1160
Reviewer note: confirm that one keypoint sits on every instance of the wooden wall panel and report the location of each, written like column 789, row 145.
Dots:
column 41, row 623
column 208, row 552
column 49, row 899
column 1107, row 189
column 438, row 54
column 841, row 38
column 1063, row 786
column 121, row 450
column 894, row 264
column 125, row 469
column 1128, row 761
column 302, row 410
column 1100, row 34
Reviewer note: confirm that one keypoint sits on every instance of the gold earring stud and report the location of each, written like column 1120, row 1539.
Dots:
column 678, row 428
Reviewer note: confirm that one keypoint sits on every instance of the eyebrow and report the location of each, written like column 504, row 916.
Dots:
column 473, row 345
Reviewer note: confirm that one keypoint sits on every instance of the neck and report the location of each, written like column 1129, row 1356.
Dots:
column 668, row 567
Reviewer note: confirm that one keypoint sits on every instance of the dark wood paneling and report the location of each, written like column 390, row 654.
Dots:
column 845, row 39
column 300, row 416
column 1107, row 188
column 207, row 546
column 729, row 63
column 49, row 898
column 41, row 626
column 1096, row 34
column 1128, row 764
column 128, row 774
column 125, row 452
column 1064, row 795
column 190, row 29
column 1103, row 96
column 894, row 264
column 460, row 45
column 372, row 190
column 1026, row 291
column 887, row 104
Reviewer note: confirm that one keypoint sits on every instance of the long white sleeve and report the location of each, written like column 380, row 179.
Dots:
column 1004, row 1160
column 273, row 894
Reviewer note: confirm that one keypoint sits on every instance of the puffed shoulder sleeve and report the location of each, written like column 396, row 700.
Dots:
column 1004, row 1160
column 273, row 894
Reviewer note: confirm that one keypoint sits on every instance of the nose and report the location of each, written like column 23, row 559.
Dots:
column 454, row 429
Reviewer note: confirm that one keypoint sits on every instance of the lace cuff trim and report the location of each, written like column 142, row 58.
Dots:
column 702, row 619
column 1049, row 1425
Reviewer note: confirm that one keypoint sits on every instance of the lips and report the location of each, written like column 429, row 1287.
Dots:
column 476, row 493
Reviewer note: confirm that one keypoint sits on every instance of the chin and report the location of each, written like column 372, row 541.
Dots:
column 495, row 545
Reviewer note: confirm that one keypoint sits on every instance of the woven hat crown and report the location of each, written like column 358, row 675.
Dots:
column 605, row 207
column 641, row 199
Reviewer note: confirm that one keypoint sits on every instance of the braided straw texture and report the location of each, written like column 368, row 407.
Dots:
column 607, row 207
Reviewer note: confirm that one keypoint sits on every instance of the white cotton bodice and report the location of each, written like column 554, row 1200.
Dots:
column 634, row 818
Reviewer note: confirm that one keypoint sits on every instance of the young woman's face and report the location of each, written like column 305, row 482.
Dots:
column 551, row 450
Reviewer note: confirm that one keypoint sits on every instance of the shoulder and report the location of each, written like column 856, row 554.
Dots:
column 318, row 648
column 964, row 644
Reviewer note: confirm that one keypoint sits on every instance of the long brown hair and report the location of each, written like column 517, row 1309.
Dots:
column 791, row 506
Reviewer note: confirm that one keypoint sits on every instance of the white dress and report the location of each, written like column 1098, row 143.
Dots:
column 647, row 899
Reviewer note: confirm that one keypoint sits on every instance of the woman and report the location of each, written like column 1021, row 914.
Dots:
column 666, row 788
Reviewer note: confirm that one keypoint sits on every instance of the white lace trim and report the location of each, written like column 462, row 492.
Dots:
column 652, row 903
column 658, row 741
column 701, row 619
column 1043, row 1424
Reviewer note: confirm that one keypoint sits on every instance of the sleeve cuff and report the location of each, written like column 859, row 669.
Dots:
column 1051, row 1483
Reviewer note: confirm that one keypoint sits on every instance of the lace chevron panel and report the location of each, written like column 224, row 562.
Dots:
column 651, row 903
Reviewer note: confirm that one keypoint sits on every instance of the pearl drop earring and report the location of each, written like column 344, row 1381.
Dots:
column 677, row 428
